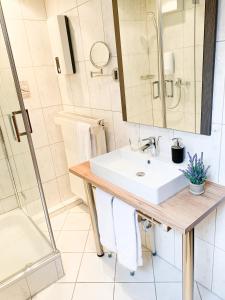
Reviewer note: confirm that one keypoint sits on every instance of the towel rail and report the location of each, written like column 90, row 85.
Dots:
column 152, row 221
column 71, row 116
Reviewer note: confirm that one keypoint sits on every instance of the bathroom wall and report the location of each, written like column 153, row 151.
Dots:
column 91, row 21
column 27, row 27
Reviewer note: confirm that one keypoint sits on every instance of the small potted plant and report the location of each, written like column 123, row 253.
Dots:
column 196, row 172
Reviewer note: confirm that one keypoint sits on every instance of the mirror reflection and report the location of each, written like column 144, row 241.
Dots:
column 160, row 56
column 183, row 37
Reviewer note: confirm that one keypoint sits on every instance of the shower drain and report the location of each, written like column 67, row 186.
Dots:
column 140, row 174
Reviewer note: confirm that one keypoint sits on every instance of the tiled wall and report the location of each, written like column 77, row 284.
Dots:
column 92, row 20
column 27, row 27
column 183, row 33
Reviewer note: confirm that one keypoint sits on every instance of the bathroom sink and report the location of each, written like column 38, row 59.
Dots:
column 152, row 178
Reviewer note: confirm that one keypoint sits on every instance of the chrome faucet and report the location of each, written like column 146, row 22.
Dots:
column 152, row 145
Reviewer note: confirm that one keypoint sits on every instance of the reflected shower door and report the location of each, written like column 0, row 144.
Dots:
column 20, row 185
column 181, row 56
column 154, row 63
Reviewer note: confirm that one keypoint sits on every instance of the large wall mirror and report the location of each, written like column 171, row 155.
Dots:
column 166, row 54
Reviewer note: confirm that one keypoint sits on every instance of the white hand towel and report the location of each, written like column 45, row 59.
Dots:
column 104, row 202
column 98, row 140
column 127, row 232
column 83, row 132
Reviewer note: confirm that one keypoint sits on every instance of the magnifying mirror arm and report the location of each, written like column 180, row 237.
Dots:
column 100, row 73
column 97, row 73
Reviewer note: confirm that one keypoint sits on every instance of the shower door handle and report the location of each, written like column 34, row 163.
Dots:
column 15, row 125
column 155, row 84
column 147, row 77
column 171, row 94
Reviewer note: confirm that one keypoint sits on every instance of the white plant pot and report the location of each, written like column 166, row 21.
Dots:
column 197, row 189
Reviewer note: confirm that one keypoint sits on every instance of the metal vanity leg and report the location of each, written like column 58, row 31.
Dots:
column 93, row 214
column 152, row 240
column 188, row 265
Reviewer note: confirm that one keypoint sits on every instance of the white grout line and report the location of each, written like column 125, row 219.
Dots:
column 198, row 290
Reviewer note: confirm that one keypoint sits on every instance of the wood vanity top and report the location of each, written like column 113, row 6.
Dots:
column 181, row 212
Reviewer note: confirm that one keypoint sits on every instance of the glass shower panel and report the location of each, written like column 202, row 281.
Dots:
column 137, row 68
column 153, row 54
column 22, row 217
column 29, row 195
column 8, row 193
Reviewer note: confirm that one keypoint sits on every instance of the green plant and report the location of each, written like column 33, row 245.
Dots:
column 196, row 171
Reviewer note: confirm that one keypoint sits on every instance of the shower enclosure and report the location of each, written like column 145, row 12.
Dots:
column 27, row 243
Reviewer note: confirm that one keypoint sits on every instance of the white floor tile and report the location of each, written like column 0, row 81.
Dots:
column 164, row 272
column 173, row 291
column 58, row 221
column 56, row 234
column 135, row 291
column 77, row 221
column 206, row 294
column 196, row 293
column 71, row 264
column 90, row 245
column 72, row 241
column 97, row 269
column 57, row 291
column 143, row 274
column 169, row 291
column 93, row 291
column 82, row 208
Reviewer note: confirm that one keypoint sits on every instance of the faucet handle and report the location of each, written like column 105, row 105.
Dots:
column 152, row 138
column 149, row 139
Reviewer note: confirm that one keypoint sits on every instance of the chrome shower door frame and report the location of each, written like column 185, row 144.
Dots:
column 26, row 125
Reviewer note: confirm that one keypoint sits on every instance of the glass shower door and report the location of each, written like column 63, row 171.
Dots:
column 25, row 231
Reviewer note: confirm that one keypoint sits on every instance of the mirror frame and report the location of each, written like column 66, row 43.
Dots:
column 91, row 59
column 209, row 49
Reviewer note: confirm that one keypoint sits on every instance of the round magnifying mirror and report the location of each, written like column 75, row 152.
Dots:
column 100, row 55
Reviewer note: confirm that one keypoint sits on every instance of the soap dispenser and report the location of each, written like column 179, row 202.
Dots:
column 177, row 150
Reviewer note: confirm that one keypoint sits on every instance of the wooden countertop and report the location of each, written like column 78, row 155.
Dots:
column 181, row 212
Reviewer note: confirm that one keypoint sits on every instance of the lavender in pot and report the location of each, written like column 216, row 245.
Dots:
column 196, row 172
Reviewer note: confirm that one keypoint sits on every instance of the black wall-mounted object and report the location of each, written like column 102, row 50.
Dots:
column 61, row 43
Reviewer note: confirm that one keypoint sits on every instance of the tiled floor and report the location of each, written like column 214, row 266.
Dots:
column 90, row 277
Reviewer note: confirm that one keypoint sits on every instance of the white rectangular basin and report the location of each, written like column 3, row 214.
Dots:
column 161, row 179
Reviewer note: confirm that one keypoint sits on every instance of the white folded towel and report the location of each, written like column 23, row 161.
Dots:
column 104, row 202
column 98, row 140
column 83, row 133
column 127, row 232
